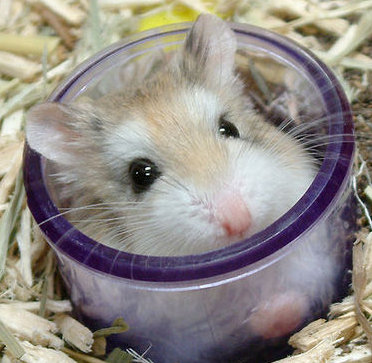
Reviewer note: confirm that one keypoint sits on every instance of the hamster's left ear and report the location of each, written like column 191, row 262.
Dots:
column 209, row 49
column 55, row 130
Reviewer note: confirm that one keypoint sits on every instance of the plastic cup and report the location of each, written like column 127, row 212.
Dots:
column 242, row 301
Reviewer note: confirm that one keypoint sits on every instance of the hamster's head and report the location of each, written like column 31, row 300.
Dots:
column 180, row 165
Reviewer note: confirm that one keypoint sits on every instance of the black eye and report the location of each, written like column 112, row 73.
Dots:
column 142, row 172
column 228, row 129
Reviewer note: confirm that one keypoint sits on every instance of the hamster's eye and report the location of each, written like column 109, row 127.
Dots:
column 143, row 172
column 228, row 129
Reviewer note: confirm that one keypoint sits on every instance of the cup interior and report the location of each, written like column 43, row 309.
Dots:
column 276, row 66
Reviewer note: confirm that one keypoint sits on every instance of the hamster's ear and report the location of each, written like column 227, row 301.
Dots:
column 50, row 131
column 210, row 48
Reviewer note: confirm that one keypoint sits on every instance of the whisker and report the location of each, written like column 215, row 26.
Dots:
column 90, row 207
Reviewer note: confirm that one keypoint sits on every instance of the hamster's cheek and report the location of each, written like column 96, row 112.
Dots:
column 173, row 223
column 265, row 185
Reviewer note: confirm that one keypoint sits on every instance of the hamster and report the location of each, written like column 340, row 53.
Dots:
column 180, row 164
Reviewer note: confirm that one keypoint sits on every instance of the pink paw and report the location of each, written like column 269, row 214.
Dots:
column 280, row 316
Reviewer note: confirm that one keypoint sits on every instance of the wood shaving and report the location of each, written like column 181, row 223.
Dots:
column 29, row 326
column 71, row 14
column 39, row 354
column 54, row 306
column 7, row 182
column 354, row 36
column 24, row 243
column 74, row 333
column 18, row 67
column 319, row 353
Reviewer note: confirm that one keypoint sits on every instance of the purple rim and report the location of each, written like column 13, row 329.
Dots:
column 321, row 195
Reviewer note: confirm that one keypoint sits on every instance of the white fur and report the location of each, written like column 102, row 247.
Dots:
column 128, row 141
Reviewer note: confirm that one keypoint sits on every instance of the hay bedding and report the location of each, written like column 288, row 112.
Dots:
column 40, row 42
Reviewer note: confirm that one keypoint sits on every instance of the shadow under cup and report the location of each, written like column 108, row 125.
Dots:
column 239, row 302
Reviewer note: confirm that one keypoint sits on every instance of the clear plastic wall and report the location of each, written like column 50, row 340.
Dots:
column 239, row 302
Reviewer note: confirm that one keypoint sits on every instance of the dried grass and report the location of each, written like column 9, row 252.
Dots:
column 41, row 41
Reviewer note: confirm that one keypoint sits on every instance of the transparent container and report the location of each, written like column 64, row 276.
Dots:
column 238, row 302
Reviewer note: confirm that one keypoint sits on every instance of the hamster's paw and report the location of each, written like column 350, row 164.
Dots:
column 279, row 316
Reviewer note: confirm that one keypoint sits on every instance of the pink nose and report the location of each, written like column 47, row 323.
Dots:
column 232, row 213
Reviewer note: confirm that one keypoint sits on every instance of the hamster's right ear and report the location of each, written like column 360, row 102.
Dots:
column 50, row 131
column 209, row 49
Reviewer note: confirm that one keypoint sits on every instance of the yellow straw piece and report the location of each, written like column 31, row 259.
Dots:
column 28, row 45
column 178, row 12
